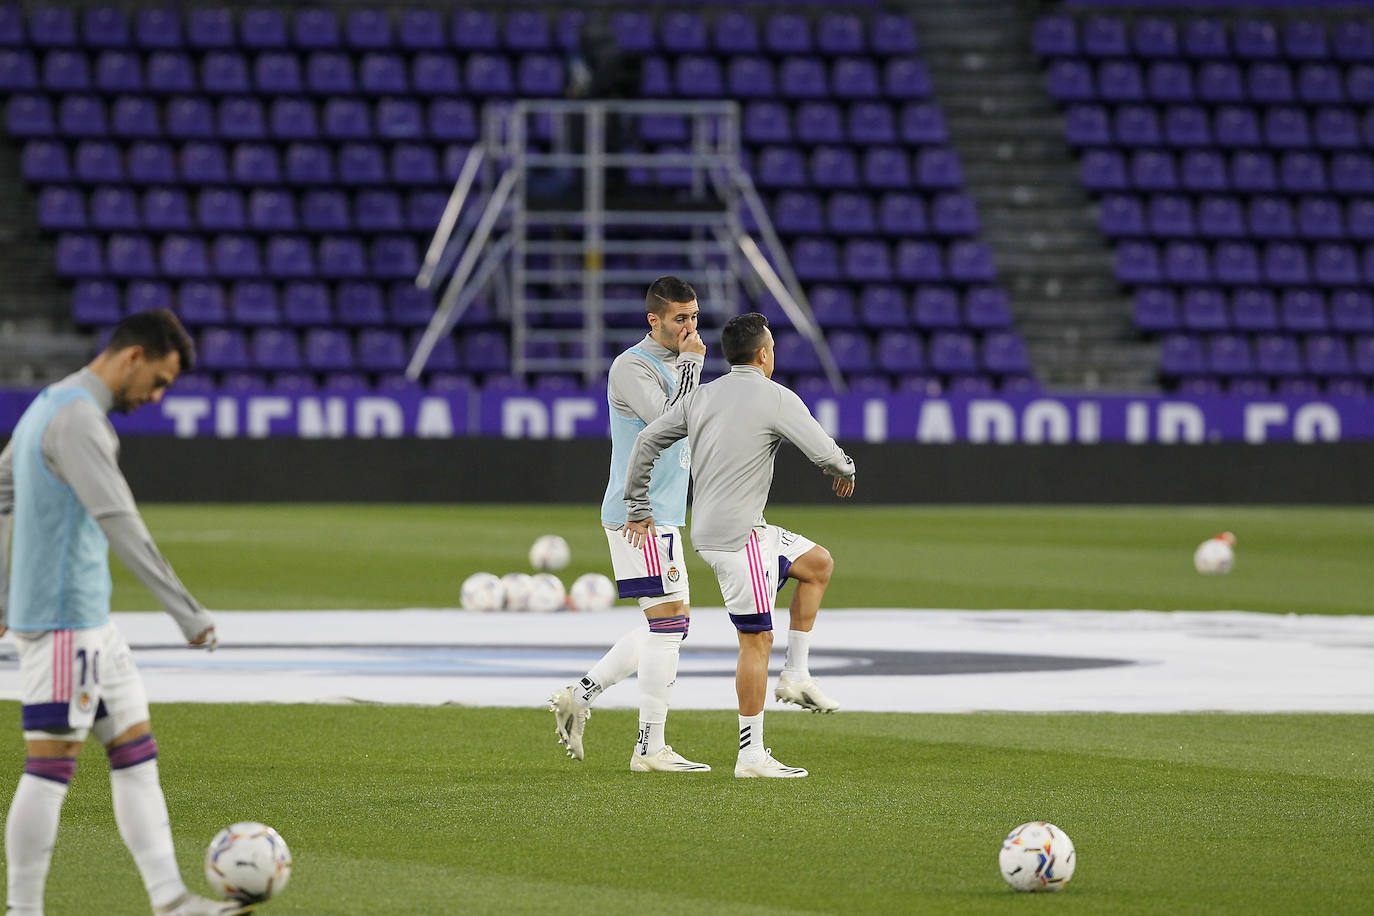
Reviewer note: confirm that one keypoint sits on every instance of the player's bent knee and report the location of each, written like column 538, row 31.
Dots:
column 130, row 734
column 131, row 753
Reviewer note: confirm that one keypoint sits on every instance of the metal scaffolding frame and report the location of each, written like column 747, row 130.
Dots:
column 531, row 223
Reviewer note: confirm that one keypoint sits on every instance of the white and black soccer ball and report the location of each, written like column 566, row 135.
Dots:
column 547, row 594
column 549, row 553
column 1037, row 857
column 482, row 592
column 1216, row 555
column 592, row 592
column 517, row 587
column 248, row 861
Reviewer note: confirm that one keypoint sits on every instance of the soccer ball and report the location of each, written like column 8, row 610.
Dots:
column 1215, row 556
column 482, row 592
column 248, row 861
column 549, row 552
column 1037, row 857
column 593, row 592
column 547, row 593
column 517, row 586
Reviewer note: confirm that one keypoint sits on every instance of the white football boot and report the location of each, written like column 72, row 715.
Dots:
column 805, row 693
column 570, row 719
column 767, row 767
column 188, row 904
column 666, row 760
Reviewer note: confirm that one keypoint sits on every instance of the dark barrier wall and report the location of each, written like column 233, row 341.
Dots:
column 164, row 469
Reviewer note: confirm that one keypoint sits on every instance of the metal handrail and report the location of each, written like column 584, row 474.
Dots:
column 456, row 200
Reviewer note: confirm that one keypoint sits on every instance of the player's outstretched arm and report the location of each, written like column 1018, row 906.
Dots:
column 795, row 424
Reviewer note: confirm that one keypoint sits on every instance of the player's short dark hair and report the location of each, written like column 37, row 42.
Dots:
column 667, row 290
column 158, row 332
column 741, row 338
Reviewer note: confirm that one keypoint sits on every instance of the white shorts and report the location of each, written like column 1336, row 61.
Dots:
column 655, row 574
column 78, row 681
column 751, row 576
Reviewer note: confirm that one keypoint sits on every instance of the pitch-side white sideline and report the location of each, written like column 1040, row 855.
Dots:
column 1161, row 662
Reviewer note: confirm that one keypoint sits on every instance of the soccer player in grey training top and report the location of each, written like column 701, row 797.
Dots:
column 65, row 502
column 736, row 423
column 644, row 381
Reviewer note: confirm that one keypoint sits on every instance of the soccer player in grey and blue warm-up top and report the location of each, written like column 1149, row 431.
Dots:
column 736, row 424
column 644, row 381
column 63, row 505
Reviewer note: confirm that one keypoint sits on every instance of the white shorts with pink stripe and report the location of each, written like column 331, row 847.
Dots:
column 655, row 572
column 751, row 576
column 78, row 681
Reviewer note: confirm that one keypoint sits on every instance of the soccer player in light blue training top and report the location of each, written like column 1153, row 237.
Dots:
column 644, row 381
column 736, row 424
column 63, row 505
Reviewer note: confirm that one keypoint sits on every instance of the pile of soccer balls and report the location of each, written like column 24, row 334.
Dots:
column 542, row 592
column 247, row 862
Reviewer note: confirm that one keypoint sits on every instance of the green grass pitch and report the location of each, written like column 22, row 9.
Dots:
column 408, row 810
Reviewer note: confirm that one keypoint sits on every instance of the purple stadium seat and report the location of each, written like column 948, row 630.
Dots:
column 383, row 74
column 166, row 210
column 849, row 213
column 787, row 33
column 1236, row 126
column 61, row 208
column 290, row 256
column 171, row 72
column 1136, row 125
column 803, row 78
column 695, row 76
column 400, row 119
column 1269, row 82
column 901, row 213
column 254, row 302
column 683, row 32
column 1004, row 353
column 1254, row 309
column 435, row 74
column 475, row 30
column 834, row 167
column 1156, row 309
column 1364, row 355
column 1055, row 36
column 1087, row 125
column 1120, row 81
column 1271, row 217
column 953, row 352
column 236, row 257
column 220, row 209
column 1320, row 218
column 315, row 28
column 118, row 71
column 489, row 74
column 1335, row 128
column 381, row 350
column 1360, row 218
column 256, row 163
column 17, row 71
column 306, row 303
column 66, row 71
column 347, row 119
column 1186, row 262
column 1236, row 263
column 1171, row 215
column 223, row 348
column 1104, row 36
column 1187, row 125
column 1360, row 83
column 851, row 350
column 131, row 256
column 1352, row 311
column 1327, row 355
column 191, row 118
column 887, row 167
column 209, row 28
column 200, row 302
column 292, row 119
column 1302, row 172
column 115, row 208
column 906, row 78
column 871, row 123
column 900, row 351
column 45, row 162
column 1335, row 264
column 1070, row 81
column 96, row 302
column 485, row 351
column 263, row 28
column 362, row 164
column 52, row 26
column 892, row 33
column 1285, row 264
column 81, row 116
column 29, row 116
column 1220, row 217
column 854, row 78
column 394, row 257
column 923, row 123
column 242, row 119
column 329, row 73
column 1353, row 40
column 935, row 307
column 1153, row 170
column 781, row 167
column 919, row 261
column 1203, row 170
column 424, row 209
column 1229, row 354
column 157, row 29
column 1286, row 127
column 1277, row 355
column 634, row 30
column 953, row 213
column 1137, row 262
column 1203, row 308
column 275, row 349
column 735, row 32
column 328, row 349
column 1155, row 37
column 452, row 119
column 1182, row 354
column 342, row 257
column 378, row 211
column 223, row 72
column 819, row 122
column 833, row 306
column 1352, row 173
column 325, row 211
column 816, row 259
column 1253, row 171
column 1304, row 39
column 277, row 73
column 986, row 307
column 1170, row 81
column 408, row 306
column 867, row 261
column 749, row 77
column 98, row 161
column 1256, row 39
column 182, row 256
column 937, row 167
column 1320, row 84
column 414, row 163
column 763, row 122
column 359, row 304
column 141, row 295
column 970, row 262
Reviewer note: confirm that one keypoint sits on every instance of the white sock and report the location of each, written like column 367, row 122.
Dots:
column 798, row 655
column 657, row 674
column 30, row 833
column 617, row 664
column 141, row 813
column 751, row 737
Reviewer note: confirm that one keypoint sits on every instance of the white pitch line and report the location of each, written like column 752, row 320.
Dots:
column 1179, row 661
